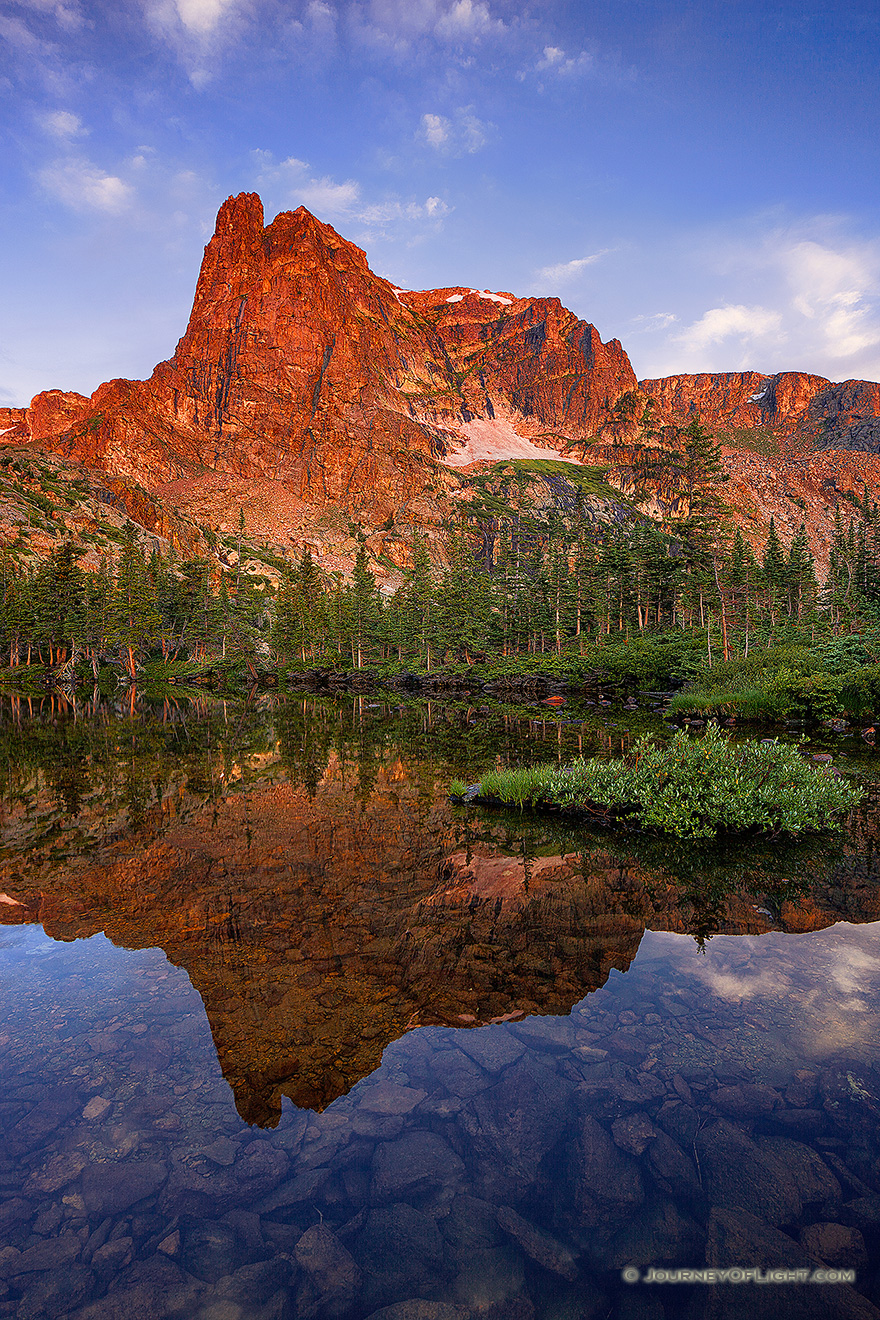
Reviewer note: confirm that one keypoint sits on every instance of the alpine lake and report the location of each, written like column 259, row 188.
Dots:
column 287, row 1035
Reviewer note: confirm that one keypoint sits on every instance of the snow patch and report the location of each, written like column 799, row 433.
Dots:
column 485, row 440
column 481, row 293
column 13, row 902
column 397, row 293
column 756, row 398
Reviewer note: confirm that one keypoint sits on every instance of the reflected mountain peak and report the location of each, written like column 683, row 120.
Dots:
column 325, row 899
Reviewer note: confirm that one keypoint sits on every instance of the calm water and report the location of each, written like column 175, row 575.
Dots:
column 283, row 1034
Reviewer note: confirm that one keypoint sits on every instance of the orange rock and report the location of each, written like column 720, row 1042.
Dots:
column 301, row 365
column 304, row 382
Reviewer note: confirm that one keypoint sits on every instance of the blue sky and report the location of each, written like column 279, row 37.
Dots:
column 698, row 179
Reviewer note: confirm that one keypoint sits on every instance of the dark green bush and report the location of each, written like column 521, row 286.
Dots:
column 812, row 697
column 860, row 690
column 693, row 788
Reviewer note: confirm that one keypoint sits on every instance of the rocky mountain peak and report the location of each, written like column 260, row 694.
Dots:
column 340, row 396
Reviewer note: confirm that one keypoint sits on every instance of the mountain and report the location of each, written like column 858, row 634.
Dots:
column 790, row 404
column 322, row 400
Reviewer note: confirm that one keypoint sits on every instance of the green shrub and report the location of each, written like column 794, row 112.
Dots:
column 851, row 651
column 693, row 788
column 860, row 690
column 815, row 696
column 782, row 683
column 755, row 669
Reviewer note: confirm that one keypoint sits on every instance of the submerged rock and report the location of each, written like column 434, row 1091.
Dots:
column 545, row 1250
column 331, row 1268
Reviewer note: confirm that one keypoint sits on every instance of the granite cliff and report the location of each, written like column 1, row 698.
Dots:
column 316, row 395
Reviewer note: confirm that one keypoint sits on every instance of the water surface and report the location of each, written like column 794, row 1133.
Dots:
column 284, row 1034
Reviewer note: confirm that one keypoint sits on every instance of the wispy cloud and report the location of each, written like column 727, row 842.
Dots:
column 838, row 290
column 383, row 213
column 64, row 125
column 464, row 134
column 468, row 19
column 566, row 272
column 749, row 325
column 640, row 325
column 557, row 61
column 818, row 304
column 198, row 19
column 400, row 26
column 324, row 194
column 198, row 31
column 555, row 66
column 79, row 184
column 328, row 197
column 67, row 15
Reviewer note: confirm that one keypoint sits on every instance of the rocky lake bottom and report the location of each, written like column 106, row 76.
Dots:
column 285, row 1036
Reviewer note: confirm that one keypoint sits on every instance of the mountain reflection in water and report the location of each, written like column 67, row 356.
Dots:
column 309, row 874
column 490, row 1121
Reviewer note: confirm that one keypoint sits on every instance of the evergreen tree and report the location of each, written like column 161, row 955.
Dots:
column 801, row 576
column 773, row 572
column 136, row 622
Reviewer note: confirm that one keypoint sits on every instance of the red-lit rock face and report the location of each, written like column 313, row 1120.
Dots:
column 792, row 403
column 300, row 364
column 314, row 392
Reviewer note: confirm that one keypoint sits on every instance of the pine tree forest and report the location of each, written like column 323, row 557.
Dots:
column 506, row 588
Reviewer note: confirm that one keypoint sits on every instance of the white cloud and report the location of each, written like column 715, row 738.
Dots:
column 383, row 213
column 67, row 16
column 658, row 321
column 198, row 31
column 436, row 130
column 462, row 137
column 84, row 187
column 401, row 25
column 318, row 194
column 327, row 195
column 18, row 36
column 748, row 324
column 293, row 179
column 203, row 16
column 64, row 124
column 194, row 18
column 564, row 272
column 270, row 170
column 467, row 18
column 835, row 288
column 800, row 296
column 554, row 60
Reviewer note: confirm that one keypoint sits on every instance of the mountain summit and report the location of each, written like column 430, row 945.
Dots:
column 313, row 389
column 300, row 364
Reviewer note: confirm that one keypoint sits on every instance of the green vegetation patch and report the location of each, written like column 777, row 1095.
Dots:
column 789, row 682
column 693, row 788
column 588, row 480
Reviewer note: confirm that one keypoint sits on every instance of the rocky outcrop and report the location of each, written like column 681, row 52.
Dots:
column 301, row 366
column 326, row 402
column 790, row 404
column 10, row 420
